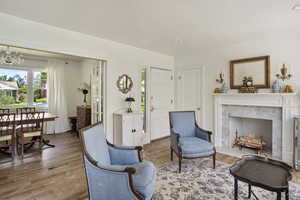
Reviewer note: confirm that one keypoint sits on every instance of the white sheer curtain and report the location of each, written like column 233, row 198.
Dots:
column 57, row 104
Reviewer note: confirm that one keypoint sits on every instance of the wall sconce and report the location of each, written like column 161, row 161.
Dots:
column 284, row 74
column 221, row 78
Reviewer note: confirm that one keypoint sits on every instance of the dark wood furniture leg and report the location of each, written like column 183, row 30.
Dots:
column 278, row 195
column 179, row 162
column 287, row 194
column 47, row 142
column 249, row 191
column 235, row 189
column 171, row 154
column 214, row 161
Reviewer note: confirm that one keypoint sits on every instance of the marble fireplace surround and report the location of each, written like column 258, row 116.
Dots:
column 253, row 112
column 280, row 108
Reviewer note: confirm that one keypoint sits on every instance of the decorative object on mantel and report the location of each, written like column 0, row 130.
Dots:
column 124, row 83
column 85, row 91
column 276, row 86
column 130, row 100
column 247, row 86
column 285, row 76
column 8, row 57
column 258, row 68
column 221, row 80
column 217, row 90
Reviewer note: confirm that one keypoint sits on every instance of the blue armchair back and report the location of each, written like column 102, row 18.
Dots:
column 183, row 123
column 96, row 145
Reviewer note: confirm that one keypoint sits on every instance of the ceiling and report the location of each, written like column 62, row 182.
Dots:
column 173, row 27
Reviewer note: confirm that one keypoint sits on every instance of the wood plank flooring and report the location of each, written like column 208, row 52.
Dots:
column 57, row 173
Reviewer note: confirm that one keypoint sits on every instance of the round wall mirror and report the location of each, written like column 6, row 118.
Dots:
column 124, row 83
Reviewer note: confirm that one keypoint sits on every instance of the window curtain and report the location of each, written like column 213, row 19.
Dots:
column 57, row 104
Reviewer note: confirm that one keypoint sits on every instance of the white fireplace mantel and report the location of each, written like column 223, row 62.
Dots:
column 287, row 102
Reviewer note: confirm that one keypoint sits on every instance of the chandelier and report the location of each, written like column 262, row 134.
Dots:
column 8, row 57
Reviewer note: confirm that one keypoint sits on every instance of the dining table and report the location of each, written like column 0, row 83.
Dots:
column 48, row 117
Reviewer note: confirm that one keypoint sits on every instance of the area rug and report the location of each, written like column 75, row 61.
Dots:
column 198, row 180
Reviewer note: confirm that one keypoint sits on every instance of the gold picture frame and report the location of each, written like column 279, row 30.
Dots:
column 257, row 67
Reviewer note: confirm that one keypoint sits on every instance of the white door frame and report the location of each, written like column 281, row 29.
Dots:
column 148, row 99
column 202, row 90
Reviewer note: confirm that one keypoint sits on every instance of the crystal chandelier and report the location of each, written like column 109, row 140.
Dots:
column 8, row 57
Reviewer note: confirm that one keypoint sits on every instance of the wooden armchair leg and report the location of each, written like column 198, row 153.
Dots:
column 214, row 161
column 171, row 154
column 179, row 162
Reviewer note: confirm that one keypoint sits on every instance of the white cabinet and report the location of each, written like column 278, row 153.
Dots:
column 128, row 129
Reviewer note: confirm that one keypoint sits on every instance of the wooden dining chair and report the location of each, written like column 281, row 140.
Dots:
column 32, row 125
column 7, row 133
column 25, row 110
column 4, row 111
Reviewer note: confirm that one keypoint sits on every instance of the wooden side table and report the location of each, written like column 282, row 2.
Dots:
column 84, row 114
column 268, row 174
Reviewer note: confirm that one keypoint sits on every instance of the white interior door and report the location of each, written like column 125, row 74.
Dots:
column 190, row 90
column 161, row 102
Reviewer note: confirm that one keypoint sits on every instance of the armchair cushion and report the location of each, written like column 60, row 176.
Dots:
column 195, row 147
column 123, row 156
column 144, row 178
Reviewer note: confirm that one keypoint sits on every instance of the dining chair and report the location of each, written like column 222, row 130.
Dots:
column 7, row 133
column 31, row 126
column 4, row 111
column 25, row 110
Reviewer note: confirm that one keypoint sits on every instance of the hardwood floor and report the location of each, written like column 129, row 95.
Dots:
column 57, row 173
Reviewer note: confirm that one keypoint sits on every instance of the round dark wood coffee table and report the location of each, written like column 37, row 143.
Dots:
column 266, row 173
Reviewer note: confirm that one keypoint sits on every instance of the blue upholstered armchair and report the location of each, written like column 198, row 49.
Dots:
column 188, row 140
column 113, row 172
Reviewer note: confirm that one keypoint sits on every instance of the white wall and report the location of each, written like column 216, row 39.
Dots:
column 120, row 58
column 283, row 47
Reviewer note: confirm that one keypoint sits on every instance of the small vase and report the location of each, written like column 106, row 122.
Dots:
column 224, row 88
column 276, row 87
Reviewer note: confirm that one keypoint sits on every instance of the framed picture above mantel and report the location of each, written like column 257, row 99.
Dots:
column 256, row 68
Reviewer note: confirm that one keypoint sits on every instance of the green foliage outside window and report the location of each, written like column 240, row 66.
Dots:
column 19, row 97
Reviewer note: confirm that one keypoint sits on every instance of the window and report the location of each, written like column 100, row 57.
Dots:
column 40, row 88
column 22, row 87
